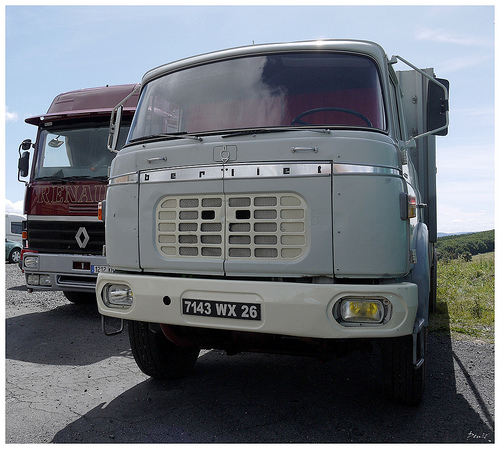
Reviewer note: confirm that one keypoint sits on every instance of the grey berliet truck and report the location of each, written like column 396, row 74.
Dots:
column 277, row 198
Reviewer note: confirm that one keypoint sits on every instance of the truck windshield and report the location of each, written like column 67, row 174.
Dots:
column 275, row 90
column 70, row 152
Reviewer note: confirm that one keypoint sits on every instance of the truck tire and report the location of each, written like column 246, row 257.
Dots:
column 403, row 383
column 157, row 356
column 80, row 297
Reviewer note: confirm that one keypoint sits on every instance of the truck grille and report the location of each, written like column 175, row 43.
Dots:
column 232, row 227
column 66, row 237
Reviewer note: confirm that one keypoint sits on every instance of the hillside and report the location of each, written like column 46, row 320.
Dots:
column 465, row 245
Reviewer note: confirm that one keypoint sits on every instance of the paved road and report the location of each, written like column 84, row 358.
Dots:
column 67, row 383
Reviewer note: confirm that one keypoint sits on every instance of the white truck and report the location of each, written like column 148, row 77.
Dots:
column 277, row 198
column 14, row 226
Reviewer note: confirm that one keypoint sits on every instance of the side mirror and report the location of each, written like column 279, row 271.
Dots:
column 438, row 107
column 24, row 159
column 114, row 128
column 26, row 145
column 116, row 118
column 23, row 165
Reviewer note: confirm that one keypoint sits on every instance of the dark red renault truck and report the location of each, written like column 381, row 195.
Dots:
column 63, row 239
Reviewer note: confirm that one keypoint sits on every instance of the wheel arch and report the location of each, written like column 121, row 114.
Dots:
column 420, row 274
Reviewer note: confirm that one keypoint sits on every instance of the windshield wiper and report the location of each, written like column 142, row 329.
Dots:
column 84, row 178
column 168, row 136
column 247, row 132
column 50, row 178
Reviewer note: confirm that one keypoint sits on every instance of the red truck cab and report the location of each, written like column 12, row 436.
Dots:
column 64, row 246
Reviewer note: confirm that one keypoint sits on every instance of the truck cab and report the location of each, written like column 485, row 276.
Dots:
column 267, row 199
column 64, row 244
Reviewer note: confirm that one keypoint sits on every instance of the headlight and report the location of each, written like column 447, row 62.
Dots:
column 362, row 311
column 117, row 296
column 45, row 280
column 39, row 279
column 30, row 262
column 33, row 279
column 357, row 311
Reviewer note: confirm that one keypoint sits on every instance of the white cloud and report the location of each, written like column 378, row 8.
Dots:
column 10, row 116
column 452, row 218
column 440, row 35
column 460, row 63
column 16, row 208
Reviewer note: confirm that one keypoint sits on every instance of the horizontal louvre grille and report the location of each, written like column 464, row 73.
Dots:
column 90, row 209
column 233, row 227
column 64, row 237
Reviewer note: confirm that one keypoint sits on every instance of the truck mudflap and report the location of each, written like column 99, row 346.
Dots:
column 282, row 308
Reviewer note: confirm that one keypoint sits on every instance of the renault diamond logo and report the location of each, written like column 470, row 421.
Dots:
column 82, row 232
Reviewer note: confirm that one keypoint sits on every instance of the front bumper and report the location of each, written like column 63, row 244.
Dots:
column 295, row 309
column 64, row 271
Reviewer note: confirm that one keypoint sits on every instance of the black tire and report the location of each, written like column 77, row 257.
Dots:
column 403, row 383
column 433, row 284
column 157, row 356
column 80, row 297
column 15, row 255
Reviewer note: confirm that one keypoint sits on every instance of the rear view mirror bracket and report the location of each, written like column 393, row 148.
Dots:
column 115, row 120
column 437, row 102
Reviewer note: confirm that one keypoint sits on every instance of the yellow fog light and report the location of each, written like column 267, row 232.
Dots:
column 117, row 296
column 359, row 310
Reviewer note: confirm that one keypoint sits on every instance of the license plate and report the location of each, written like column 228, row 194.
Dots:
column 221, row 309
column 96, row 269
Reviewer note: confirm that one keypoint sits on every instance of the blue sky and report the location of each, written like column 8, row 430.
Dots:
column 55, row 49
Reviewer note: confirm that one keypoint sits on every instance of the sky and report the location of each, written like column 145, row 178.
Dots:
column 55, row 49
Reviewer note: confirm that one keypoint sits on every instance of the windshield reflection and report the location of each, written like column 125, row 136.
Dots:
column 75, row 153
column 279, row 90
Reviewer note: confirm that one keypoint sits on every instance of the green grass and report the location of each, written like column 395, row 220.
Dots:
column 466, row 298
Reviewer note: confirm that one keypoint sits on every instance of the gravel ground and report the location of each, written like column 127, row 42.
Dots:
column 68, row 383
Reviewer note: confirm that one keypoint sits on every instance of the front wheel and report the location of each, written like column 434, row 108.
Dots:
column 403, row 382
column 157, row 356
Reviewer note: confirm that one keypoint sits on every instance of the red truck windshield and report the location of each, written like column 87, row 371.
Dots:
column 74, row 152
column 275, row 90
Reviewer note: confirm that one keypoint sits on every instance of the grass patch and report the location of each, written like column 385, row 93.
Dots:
column 466, row 298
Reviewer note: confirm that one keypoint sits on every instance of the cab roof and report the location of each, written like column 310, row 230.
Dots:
column 96, row 101
column 342, row 45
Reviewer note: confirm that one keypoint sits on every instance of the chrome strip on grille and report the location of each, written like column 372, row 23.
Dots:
column 236, row 171
column 351, row 169
column 256, row 171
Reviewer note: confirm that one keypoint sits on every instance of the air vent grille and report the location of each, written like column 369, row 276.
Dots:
column 258, row 227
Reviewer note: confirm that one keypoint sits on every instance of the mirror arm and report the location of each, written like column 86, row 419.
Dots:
column 114, row 122
column 394, row 60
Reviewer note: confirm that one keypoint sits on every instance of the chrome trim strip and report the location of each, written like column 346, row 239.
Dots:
column 237, row 171
column 64, row 218
column 354, row 169
column 213, row 172
column 126, row 178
